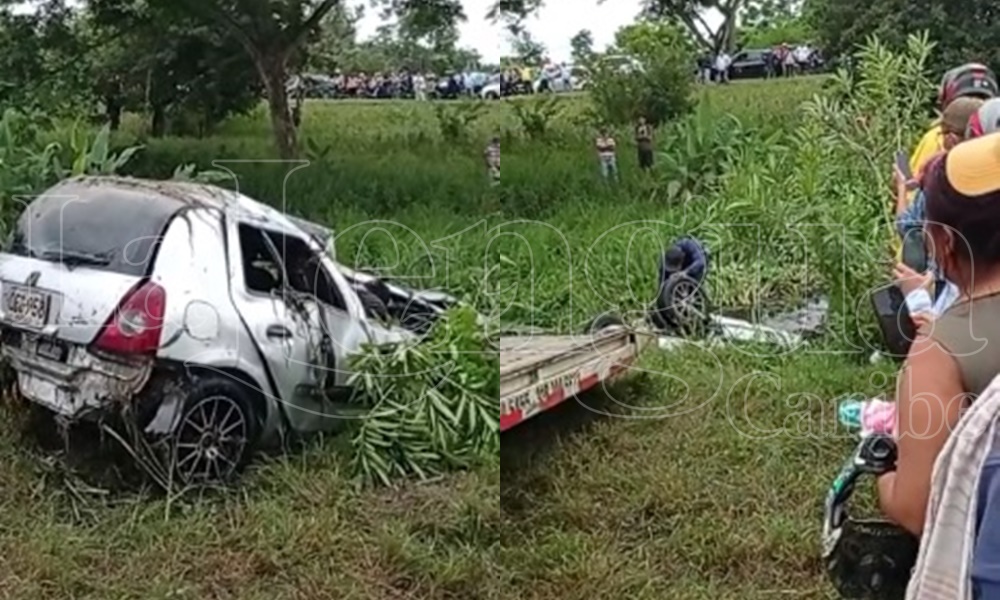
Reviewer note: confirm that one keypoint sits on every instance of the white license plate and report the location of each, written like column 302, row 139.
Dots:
column 27, row 307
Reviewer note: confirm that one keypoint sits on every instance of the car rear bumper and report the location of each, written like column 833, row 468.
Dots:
column 81, row 385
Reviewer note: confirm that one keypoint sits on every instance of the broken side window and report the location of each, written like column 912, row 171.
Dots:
column 300, row 268
column 261, row 269
column 272, row 260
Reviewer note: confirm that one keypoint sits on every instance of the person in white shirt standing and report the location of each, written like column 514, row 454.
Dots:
column 722, row 64
column 420, row 86
column 790, row 63
column 802, row 54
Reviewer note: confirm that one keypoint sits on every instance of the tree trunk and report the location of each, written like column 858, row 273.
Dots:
column 159, row 125
column 274, row 74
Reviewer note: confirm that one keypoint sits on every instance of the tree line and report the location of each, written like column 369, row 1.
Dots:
column 188, row 64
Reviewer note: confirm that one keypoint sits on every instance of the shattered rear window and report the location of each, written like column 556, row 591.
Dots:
column 98, row 225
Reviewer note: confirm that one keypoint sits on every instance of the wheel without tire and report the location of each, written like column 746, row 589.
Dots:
column 215, row 434
column 682, row 305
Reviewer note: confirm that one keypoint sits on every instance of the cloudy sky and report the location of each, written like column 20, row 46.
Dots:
column 555, row 24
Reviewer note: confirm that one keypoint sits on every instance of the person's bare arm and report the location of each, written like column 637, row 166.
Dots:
column 929, row 397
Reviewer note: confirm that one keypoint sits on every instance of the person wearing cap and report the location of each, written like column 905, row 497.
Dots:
column 952, row 128
column 969, row 80
column 917, row 277
column 952, row 362
column 984, row 121
column 687, row 256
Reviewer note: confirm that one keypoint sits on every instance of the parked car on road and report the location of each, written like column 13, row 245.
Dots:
column 622, row 62
column 493, row 90
column 561, row 78
column 749, row 64
column 313, row 86
column 211, row 322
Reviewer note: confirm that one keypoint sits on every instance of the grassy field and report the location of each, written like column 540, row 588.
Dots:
column 717, row 497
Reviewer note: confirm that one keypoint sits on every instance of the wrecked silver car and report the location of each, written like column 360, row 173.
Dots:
column 214, row 322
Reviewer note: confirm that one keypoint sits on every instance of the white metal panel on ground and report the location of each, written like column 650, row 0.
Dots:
column 540, row 372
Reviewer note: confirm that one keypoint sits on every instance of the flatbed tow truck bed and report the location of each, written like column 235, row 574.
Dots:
column 539, row 372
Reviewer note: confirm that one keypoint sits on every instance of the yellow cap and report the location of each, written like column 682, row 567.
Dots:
column 973, row 167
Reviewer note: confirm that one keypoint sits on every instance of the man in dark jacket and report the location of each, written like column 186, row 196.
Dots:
column 688, row 256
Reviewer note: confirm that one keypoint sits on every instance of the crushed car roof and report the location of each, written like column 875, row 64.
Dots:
column 191, row 194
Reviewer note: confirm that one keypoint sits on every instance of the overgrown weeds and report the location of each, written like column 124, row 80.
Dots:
column 789, row 201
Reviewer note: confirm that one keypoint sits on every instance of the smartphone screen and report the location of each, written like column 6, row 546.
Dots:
column 903, row 164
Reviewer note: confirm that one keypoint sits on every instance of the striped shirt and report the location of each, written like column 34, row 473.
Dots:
column 606, row 146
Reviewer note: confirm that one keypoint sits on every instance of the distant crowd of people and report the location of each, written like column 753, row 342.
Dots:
column 401, row 84
column 783, row 60
column 515, row 81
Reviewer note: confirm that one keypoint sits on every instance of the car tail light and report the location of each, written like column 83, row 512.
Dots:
column 136, row 325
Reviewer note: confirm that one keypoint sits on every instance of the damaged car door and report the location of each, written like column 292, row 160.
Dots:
column 284, row 320
column 347, row 325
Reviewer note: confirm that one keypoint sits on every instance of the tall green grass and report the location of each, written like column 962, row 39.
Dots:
column 755, row 173
column 576, row 506
column 559, row 243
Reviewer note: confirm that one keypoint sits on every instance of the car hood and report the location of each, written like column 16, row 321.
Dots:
column 433, row 298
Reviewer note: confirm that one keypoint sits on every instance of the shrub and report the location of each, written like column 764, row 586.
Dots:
column 657, row 87
column 455, row 121
column 430, row 406
column 845, row 154
column 537, row 115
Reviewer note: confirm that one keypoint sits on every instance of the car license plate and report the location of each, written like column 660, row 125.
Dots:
column 51, row 349
column 27, row 307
